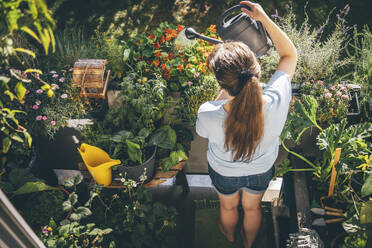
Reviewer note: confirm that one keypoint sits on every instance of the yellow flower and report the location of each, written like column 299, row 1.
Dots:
column 165, row 223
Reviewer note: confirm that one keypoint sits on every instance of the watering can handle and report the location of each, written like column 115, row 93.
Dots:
column 229, row 11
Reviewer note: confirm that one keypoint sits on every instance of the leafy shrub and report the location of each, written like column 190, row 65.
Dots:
column 360, row 49
column 319, row 56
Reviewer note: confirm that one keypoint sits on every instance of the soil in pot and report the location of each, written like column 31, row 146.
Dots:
column 135, row 172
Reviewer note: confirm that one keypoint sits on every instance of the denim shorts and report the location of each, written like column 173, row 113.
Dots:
column 255, row 184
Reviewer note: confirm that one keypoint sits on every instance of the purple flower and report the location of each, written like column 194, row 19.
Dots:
column 35, row 106
column 55, row 86
column 53, row 72
column 44, row 118
column 62, row 79
column 55, row 76
column 276, row 15
column 196, row 75
column 71, row 69
column 189, row 83
column 27, row 91
column 45, row 230
column 39, row 117
column 327, row 95
column 345, row 97
column 24, row 75
column 39, row 91
column 63, row 96
column 38, row 102
column 338, row 93
column 52, row 123
column 347, row 9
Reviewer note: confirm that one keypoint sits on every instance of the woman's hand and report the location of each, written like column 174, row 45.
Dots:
column 257, row 13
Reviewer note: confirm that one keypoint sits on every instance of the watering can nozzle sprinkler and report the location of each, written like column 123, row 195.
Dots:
column 190, row 34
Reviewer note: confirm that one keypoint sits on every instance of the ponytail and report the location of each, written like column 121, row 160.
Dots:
column 238, row 71
column 244, row 124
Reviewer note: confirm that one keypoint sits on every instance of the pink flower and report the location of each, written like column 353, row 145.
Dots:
column 55, row 86
column 38, row 102
column 52, row 123
column 189, row 83
column 35, row 106
column 62, row 79
column 44, row 118
column 332, row 88
column 196, row 75
column 27, row 91
column 63, row 96
column 326, row 91
column 327, row 95
column 55, row 76
column 45, row 230
column 349, row 86
column 53, row 72
column 39, row 117
column 71, row 69
column 345, row 97
column 343, row 88
column 39, row 91
column 338, row 93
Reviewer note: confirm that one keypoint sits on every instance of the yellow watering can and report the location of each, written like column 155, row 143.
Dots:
column 98, row 163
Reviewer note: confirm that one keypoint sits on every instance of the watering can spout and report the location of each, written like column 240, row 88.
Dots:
column 190, row 33
column 111, row 163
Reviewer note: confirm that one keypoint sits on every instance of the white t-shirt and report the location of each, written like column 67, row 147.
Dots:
column 210, row 125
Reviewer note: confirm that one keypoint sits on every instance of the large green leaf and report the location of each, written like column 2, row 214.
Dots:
column 367, row 186
column 165, row 137
column 366, row 213
column 6, row 144
column 31, row 187
column 134, row 151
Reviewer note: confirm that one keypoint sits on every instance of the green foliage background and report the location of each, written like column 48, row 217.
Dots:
column 136, row 16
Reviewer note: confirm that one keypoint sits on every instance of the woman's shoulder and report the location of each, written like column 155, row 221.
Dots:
column 211, row 106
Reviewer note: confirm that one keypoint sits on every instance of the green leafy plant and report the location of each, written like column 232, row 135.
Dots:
column 319, row 56
column 71, row 232
column 13, row 18
column 136, row 220
column 144, row 103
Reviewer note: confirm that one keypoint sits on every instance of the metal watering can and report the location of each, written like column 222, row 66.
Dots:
column 238, row 28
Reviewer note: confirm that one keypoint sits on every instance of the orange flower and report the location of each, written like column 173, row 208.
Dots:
column 174, row 33
column 167, row 30
column 179, row 27
column 152, row 37
column 167, row 37
column 180, row 67
column 165, row 59
column 212, row 28
column 158, row 54
column 156, row 63
column 170, row 55
column 164, row 67
column 167, row 74
column 162, row 40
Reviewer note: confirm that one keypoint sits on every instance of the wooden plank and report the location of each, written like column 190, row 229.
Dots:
column 168, row 174
column 153, row 183
column 301, row 194
column 179, row 166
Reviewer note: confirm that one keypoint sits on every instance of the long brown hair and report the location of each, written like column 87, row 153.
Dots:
column 244, row 124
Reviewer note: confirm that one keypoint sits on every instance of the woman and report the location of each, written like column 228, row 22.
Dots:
column 243, row 125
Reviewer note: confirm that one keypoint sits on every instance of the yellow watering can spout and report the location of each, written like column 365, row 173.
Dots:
column 98, row 163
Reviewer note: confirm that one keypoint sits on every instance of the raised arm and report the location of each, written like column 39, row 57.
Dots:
column 287, row 51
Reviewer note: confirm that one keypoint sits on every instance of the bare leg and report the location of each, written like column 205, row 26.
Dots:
column 252, row 216
column 229, row 215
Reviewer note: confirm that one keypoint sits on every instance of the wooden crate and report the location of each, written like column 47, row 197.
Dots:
column 89, row 75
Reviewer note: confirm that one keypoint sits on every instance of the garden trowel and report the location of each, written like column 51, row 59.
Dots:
column 323, row 222
column 321, row 211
